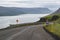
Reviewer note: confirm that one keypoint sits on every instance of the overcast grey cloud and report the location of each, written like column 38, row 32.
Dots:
column 31, row 3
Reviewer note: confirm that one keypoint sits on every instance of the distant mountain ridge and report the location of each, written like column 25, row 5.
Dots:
column 7, row 11
column 35, row 10
column 10, row 11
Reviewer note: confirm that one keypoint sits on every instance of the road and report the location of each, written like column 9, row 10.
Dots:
column 34, row 32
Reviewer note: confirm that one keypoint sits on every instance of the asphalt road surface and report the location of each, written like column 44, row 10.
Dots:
column 34, row 32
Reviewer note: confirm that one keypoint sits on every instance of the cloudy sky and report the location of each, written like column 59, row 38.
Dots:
column 31, row 3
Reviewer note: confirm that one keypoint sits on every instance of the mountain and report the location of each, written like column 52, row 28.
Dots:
column 10, row 11
column 6, row 11
column 35, row 10
column 57, row 11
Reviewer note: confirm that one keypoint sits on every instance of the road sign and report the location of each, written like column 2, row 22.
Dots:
column 17, row 20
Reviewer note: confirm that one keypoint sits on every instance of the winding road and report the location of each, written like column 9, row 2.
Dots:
column 34, row 32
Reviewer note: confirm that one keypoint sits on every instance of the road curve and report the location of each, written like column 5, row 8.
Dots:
column 34, row 32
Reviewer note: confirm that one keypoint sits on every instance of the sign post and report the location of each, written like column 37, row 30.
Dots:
column 17, row 21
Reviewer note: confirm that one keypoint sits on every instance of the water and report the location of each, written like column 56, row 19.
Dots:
column 5, row 21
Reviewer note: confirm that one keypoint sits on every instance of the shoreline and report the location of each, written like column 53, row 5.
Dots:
column 20, row 25
column 22, row 19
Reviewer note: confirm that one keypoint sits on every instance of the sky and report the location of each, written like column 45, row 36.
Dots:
column 51, row 4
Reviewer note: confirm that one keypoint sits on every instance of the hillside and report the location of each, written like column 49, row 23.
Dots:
column 10, row 11
column 57, row 11
column 58, row 14
column 54, row 28
column 51, row 16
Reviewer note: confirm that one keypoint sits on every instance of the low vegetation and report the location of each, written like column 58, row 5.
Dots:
column 54, row 28
column 50, row 18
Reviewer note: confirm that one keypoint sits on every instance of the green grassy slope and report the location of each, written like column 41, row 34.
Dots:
column 55, row 27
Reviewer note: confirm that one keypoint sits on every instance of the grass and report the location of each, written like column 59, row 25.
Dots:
column 58, row 21
column 54, row 28
column 48, row 17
